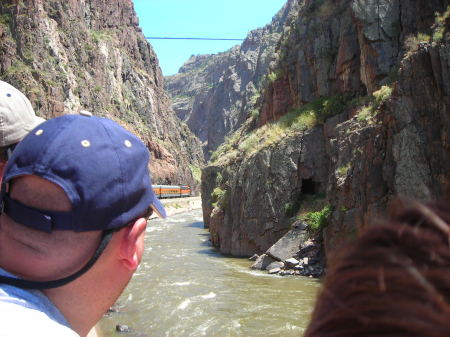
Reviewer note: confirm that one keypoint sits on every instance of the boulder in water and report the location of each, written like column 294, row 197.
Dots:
column 123, row 328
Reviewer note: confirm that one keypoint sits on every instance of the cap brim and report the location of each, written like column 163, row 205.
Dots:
column 158, row 208
column 36, row 121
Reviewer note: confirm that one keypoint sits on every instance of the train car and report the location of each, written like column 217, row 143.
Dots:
column 185, row 190
column 171, row 191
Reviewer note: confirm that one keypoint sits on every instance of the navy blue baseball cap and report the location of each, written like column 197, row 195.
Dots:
column 102, row 168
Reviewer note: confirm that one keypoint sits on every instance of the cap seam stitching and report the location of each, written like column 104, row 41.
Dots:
column 44, row 162
column 119, row 161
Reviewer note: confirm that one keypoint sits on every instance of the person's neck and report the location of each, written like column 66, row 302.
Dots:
column 81, row 307
column 84, row 300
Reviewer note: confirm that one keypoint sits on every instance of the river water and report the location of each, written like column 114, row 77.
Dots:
column 184, row 287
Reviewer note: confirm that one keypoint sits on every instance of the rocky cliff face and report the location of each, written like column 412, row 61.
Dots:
column 358, row 105
column 214, row 94
column 253, row 214
column 72, row 55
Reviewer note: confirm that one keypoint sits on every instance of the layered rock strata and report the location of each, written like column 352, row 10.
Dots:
column 67, row 56
column 214, row 94
column 387, row 64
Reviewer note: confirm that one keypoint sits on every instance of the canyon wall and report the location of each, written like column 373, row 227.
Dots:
column 214, row 94
column 68, row 56
column 355, row 114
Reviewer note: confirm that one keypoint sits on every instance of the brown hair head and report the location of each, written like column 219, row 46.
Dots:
column 394, row 280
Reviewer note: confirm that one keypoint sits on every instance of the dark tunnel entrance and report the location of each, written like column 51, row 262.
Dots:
column 309, row 187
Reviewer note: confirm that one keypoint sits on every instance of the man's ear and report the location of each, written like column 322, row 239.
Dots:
column 132, row 244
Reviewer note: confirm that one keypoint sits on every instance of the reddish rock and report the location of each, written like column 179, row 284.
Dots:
column 72, row 55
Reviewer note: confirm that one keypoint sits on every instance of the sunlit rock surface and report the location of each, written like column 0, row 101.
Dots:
column 67, row 56
column 214, row 94
column 388, row 61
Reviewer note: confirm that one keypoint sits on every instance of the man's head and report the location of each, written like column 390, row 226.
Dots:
column 70, row 184
column 17, row 118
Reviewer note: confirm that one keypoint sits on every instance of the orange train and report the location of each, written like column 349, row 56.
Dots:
column 171, row 191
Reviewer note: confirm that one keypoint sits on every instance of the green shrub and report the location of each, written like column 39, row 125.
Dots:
column 250, row 144
column 196, row 173
column 367, row 112
column 217, row 193
column 18, row 69
column 272, row 77
column 98, row 35
column 438, row 34
column 364, row 114
column 219, row 178
column 229, row 145
column 343, row 170
column 318, row 220
column 214, row 156
column 439, row 25
column 315, row 112
column 5, row 19
column 220, row 197
column 254, row 98
column 382, row 95
column 254, row 113
column 423, row 37
column 298, row 119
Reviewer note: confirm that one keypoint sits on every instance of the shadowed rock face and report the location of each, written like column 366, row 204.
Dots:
column 72, row 55
column 214, row 94
column 260, row 188
column 361, row 162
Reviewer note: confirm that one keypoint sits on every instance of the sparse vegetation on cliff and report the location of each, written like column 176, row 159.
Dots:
column 70, row 58
column 5, row 19
column 100, row 35
column 343, row 170
column 367, row 112
column 272, row 77
column 314, row 113
column 388, row 116
column 413, row 41
column 196, row 173
column 220, row 197
column 439, row 25
column 318, row 220
column 297, row 120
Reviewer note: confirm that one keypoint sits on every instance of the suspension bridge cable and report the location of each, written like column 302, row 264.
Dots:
column 190, row 38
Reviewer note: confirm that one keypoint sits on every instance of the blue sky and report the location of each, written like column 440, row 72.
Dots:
column 199, row 18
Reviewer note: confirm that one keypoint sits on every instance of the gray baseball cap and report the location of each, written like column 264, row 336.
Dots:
column 17, row 117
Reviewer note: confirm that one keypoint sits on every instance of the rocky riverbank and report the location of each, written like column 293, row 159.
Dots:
column 296, row 253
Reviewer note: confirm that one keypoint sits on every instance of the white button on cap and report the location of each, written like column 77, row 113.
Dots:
column 85, row 143
column 86, row 113
column 127, row 143
column 39, row 132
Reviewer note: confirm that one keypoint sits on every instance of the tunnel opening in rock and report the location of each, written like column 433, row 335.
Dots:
column 309, row 186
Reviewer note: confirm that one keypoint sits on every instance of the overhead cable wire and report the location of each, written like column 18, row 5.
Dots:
column 189, row 38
